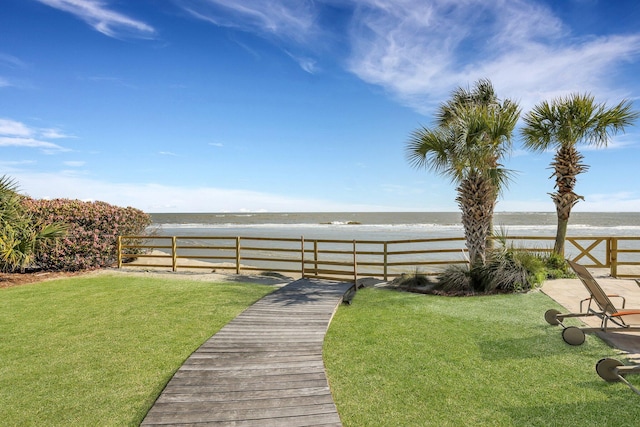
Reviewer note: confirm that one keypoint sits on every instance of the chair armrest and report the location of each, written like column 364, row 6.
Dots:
column 624, row 301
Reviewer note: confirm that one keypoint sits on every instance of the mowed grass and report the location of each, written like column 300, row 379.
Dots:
column 99, row 350
column 401, row 359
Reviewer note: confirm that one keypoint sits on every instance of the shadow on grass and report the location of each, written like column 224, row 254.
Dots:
column 605, row 411
column 530, row 347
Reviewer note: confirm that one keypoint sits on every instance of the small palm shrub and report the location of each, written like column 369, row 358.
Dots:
column 20, row 235
column 511, row 271
column 93, row 229
column 505, row 270
column 458, row 279
column 416, row 281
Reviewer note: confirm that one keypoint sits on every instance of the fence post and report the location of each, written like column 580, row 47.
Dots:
column 385, row 262
column 174, row 254
column 302, row 256
column 119, row 249
column 614, row 257
column 355, row 266
column 237, row 254
column 315, row 257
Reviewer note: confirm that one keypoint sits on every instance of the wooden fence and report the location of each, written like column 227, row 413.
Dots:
column 350, row 259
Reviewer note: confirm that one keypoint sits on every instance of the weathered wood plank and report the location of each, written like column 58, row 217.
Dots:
column 208, row 358
column 191, row 416
column 321, row 419
column 264, row 368
column 228, row 386
column 248, row 373
column 175, row 407
column 240, row 395
column 255, row 366
column 224, row 380
column 206, row 355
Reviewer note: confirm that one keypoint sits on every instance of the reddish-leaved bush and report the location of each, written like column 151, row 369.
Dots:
column 91, row 240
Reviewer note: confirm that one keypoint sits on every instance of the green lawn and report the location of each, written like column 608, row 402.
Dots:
column 400, row 359
column 99, row 350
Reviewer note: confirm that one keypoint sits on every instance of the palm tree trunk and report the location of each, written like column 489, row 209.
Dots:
column 561, row 234
column 476, row 199
column 567, row 165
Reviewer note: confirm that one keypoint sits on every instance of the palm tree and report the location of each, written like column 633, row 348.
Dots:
column 562, row 125
column 472, row 135
column 20, row 236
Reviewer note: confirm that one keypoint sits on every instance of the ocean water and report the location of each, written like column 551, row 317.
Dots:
column 385, row 225
column 389, row 227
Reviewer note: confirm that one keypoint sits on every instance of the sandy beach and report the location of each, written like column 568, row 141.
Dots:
column 201, row 271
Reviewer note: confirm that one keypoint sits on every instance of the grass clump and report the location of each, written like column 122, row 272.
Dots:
column 99, row 350
column 413, row 282
column 403, row 359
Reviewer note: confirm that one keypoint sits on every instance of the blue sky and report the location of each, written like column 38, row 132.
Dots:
column 295, row 105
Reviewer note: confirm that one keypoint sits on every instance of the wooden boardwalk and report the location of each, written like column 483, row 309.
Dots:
column 264, row 368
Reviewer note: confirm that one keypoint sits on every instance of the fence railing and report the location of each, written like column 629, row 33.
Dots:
column 350, row 259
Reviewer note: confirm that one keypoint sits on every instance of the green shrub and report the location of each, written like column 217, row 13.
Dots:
column 534, row 265
column 93, row 228
column 556, row 266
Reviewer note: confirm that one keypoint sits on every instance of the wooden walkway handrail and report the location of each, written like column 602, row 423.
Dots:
column 264, row 368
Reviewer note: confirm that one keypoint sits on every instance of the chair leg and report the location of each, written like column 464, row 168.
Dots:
column 551, row 316
column 573, row 335
column 612, row 370
column 607, row 369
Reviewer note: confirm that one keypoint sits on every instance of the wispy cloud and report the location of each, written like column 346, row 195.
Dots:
column 6, row 141
column 75, row 163
column 618, row 141
column 419, row 51
column 307, row 64
column 12, row 165
column 11, row 61
column 153, row 197
column 102, row 18
column 288, row 19
column 17, row 134
column 54, row 133
column 290, row 22
column 10, row 127
column 623, row 201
